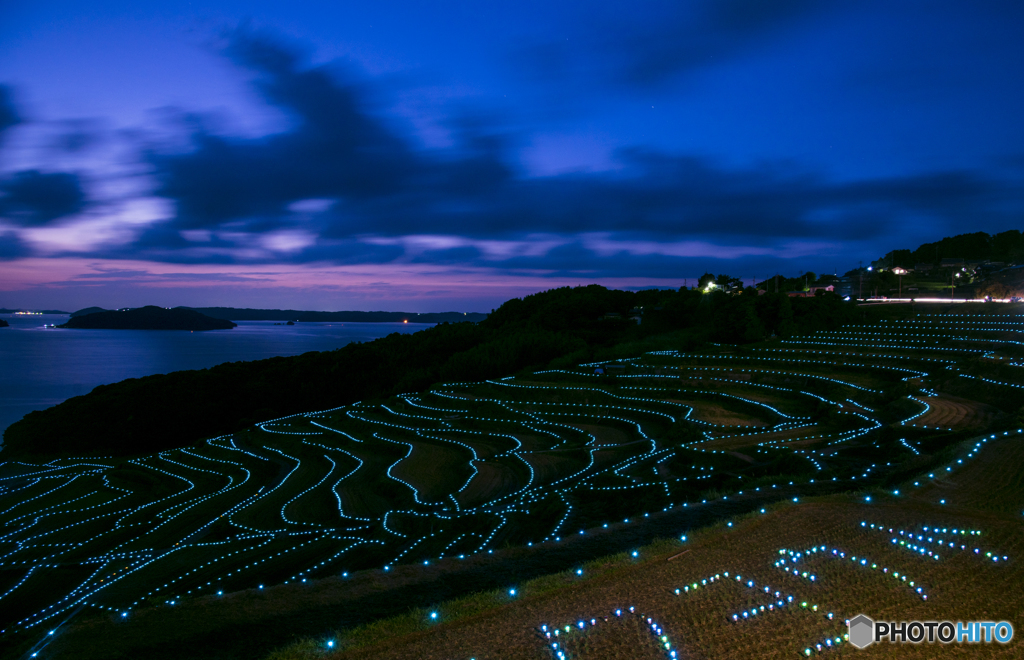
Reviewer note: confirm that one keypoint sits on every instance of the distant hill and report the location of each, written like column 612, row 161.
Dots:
column 88, row 310
column 148, row 318
column 233, row 314
column 45, row 311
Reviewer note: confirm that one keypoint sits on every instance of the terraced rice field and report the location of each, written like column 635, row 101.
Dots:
column 958, row 413
column 466, row 470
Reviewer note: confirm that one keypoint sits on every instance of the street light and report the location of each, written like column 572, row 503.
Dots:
column 901, row 272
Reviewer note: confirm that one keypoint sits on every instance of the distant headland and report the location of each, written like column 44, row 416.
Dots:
column 148, row 318
column 236, row 314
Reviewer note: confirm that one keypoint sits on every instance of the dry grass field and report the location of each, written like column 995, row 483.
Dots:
column 957, row 413
column 714, row 413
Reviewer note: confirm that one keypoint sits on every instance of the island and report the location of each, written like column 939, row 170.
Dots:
column 88, row 310
column 4, row 324
column 148, row 318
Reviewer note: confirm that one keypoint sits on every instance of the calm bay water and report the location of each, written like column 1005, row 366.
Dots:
column 40, row 367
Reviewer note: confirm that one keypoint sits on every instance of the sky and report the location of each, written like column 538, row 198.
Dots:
column 449, row 155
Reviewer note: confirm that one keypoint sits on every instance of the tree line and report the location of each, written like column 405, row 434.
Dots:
column 1006, row 247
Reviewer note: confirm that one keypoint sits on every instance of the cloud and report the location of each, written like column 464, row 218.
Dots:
column 665, row 42
column 698, row 36
column 11, row 246
column 337, row 148
column 343, row 184
column 590, row 258
column 33, row 198
column 342, row 173
column 77, row 135
column 8, row 116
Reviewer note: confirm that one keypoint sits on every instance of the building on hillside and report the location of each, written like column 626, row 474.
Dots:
column 812, row 291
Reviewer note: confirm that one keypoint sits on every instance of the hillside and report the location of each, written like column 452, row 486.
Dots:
column 562, row 325
column 88, row 310
column 147, row 318
column 1006, row 247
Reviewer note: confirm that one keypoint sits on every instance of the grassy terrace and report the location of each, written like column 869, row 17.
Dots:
column 551, row 498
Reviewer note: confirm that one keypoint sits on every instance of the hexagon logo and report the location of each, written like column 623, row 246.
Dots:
column 862, row 631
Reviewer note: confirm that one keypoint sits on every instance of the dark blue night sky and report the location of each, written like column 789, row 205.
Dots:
column 450, row 155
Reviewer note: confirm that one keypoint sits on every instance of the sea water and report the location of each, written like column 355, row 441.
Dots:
column 42, row 366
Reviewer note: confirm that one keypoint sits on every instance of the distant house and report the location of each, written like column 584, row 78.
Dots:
column 922, row 267
column 815, row 289
column 952, row 262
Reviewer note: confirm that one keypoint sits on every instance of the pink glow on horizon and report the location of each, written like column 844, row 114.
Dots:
column 71, row 282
